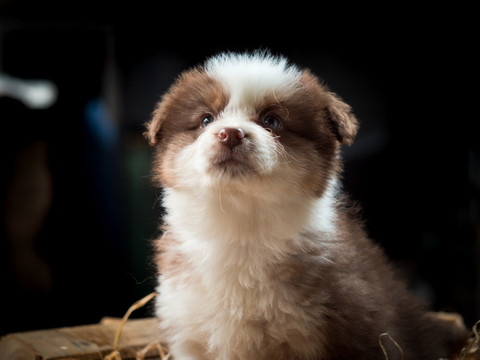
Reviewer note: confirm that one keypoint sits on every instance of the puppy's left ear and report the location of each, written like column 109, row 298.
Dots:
column 341, row 118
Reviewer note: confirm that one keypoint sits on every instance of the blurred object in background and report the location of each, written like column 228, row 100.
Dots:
column 35, row 94
column 28, row 201
column 66, row 255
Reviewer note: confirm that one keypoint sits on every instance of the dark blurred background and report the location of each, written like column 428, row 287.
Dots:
column 78, row 80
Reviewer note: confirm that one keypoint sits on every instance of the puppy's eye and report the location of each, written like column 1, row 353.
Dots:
column 272, row 122
column 207, row 119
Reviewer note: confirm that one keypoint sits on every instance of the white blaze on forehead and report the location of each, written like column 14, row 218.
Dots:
column 249, row 77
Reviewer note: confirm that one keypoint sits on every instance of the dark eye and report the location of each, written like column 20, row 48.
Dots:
column 272, row 122
column 207, row 119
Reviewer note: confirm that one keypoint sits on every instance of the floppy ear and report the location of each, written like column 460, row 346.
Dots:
column 154, row 125
column 338, row 114
column 344, row 123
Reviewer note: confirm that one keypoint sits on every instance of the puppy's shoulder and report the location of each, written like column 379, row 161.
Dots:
column 350, row 220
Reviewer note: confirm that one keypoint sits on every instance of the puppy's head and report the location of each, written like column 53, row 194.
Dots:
column 252, row 121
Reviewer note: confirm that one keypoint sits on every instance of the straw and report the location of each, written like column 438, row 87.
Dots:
column 140, row 355
column 380, row 342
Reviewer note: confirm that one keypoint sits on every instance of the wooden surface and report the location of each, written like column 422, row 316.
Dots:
column 92, row 342
column 82, row 342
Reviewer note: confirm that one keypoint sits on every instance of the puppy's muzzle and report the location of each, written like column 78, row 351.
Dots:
column 230, row 137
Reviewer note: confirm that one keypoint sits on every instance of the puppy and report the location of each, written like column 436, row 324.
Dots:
column 261, row 257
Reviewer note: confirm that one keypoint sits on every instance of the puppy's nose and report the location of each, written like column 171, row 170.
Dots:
column 230, row 136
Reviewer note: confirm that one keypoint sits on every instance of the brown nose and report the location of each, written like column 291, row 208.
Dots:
column 230, row 136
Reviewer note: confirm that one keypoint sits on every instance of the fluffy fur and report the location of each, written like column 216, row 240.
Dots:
column 260, row 258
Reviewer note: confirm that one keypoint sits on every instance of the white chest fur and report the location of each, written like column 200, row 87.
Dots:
column 228, row 303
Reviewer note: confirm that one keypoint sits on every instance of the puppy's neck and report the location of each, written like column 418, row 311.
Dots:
column 235, row 218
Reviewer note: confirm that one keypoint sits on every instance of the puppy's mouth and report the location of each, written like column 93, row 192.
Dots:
column 232, row 162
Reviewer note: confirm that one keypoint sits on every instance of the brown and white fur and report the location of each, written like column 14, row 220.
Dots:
column 260, row 256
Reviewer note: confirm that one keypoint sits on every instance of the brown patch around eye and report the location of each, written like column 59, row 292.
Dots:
column 278, row 110
column 177, row 119
column 194, row 95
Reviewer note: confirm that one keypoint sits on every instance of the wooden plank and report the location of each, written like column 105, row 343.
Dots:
column 95, row 342
column 82, row 342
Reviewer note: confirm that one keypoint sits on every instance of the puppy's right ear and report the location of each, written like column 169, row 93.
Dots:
column 344, row 123
column 154, row 126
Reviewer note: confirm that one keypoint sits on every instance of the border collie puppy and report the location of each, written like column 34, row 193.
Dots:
column 260, row 257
